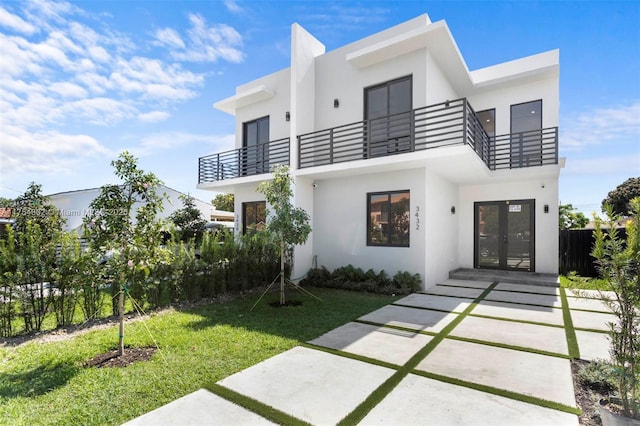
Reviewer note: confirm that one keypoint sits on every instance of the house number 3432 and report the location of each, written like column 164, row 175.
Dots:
column 417, row 215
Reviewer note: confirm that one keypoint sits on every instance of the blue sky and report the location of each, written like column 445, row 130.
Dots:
column 82, row 81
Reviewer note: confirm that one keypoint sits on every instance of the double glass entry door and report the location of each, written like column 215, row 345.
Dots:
column 504, row 235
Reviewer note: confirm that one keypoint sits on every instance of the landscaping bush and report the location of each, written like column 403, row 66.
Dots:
column 352, row 278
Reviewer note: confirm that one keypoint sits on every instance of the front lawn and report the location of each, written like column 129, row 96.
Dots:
column 46, row 383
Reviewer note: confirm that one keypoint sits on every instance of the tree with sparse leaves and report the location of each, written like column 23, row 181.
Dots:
column 122, row 227
column 570, row 218
column 289, row 224
column 188, row 219
column 224, row 202
column 620, row 198
column 34, row 207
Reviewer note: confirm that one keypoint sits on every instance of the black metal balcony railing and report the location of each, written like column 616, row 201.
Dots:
column 246, row 161
column 445, row 124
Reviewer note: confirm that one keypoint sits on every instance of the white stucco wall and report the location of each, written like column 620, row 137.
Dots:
column 340, row 222
column 544, row 190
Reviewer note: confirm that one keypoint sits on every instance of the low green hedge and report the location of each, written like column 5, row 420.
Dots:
column 352, row 278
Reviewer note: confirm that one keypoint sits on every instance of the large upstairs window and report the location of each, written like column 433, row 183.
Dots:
column 526, row 134
column 387, row 111
column 388, row 218
column 255, row 143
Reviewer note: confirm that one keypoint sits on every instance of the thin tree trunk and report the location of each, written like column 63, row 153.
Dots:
column 282, row 299
column 121, row 317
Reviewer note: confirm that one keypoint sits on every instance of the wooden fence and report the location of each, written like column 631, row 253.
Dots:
column 575, row 251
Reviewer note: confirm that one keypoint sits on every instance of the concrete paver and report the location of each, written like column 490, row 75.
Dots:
column 415, row 319
column 588, row 304
column 538, row 289
column 198, row 408
column 550, row 339
column 466, row 292
column 527, row 373
column 593, row 345
column 453, row 304
column 591, row 320
column 467, row 283
column 311, row 385
column 520, row 312
column 419, row 401
column 525, row 298
column 381, row 343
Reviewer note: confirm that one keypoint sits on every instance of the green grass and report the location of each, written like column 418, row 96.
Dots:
column 45, row 383
column 573, row 281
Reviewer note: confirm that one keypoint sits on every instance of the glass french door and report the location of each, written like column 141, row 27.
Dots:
column 504, row 235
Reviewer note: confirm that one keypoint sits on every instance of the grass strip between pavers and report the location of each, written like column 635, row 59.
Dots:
column 572, row 339
column 396, row 327
column 264, row 410
column 385, row 388
column 501, row 392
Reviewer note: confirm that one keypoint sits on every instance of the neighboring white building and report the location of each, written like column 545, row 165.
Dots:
column 403, row 157
column 74, row 206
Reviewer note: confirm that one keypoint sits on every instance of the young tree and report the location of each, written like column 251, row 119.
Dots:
column 289, row 224
column 188, row 220
column 619, row 264
column 123, row 228
column 620, row 198
column 570, row 219
column 224, row 202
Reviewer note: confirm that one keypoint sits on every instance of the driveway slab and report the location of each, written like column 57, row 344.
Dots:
column 453, row 304
column 467, row 283
column 540, row 337
column 419, row 401
column 593, row 345
column 198, row 408
column 519, row 312
column 311, row 385
column 554, row 291
column 596, row 305
column 465, row 292
column 381, row 343
column 531, row 374
column 526, row 298
column 592, row 320
column 413, row 318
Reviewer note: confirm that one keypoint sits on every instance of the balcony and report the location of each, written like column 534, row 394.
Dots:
column 246, row 161
column 445, row 124
column 450, row 123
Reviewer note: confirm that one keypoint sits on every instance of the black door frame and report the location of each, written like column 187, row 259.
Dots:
column 503, row 213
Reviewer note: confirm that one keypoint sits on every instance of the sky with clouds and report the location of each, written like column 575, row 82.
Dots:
column 82, row 81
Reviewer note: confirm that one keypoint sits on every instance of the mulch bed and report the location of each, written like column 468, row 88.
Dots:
column 112, row 359
column 586, row 398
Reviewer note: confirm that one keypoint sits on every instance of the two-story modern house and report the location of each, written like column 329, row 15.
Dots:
column 403, row 157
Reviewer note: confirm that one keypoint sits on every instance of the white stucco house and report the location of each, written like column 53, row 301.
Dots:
column 404, row 158
column 75, row 205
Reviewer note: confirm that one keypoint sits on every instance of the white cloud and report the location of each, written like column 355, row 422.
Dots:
column 170, row 38
column 600, row 126
column 51, row 152
column 203, row 42
column 233, row 6
column 153, row 116
column 68, row 90
column 172, row 140
column 621, row 164
column 15, row 23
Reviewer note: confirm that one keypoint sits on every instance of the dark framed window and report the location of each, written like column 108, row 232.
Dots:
column 254, row 216
column 488, row 121
column 388, row 218
column 526, row 134
column 387, row 111
column 255, row 143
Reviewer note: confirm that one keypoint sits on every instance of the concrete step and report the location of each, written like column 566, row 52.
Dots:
column 515, row 277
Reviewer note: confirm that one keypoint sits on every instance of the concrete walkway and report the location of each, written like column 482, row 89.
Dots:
column 461, row 353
